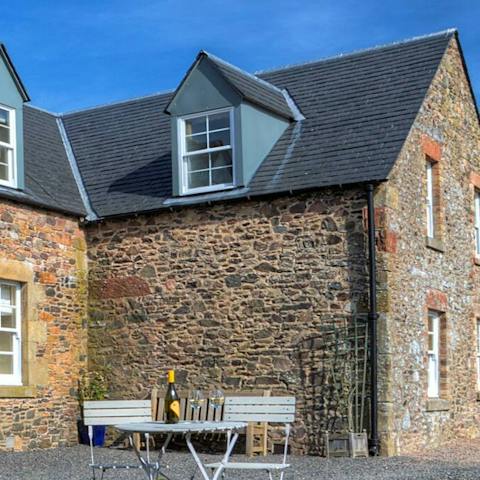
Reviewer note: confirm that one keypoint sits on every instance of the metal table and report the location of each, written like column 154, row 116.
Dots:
column 153, row 468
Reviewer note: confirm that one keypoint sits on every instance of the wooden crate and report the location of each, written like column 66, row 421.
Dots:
column 359, row 445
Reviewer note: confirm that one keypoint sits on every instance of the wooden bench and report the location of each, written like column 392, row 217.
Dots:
column 113, row 412
column 256, row 436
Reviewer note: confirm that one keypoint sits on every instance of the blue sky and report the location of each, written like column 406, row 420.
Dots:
column 73, row 54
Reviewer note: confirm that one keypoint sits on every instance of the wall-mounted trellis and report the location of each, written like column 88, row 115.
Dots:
column 334, row 366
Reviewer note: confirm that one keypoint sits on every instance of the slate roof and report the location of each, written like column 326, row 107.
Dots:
column 358, row 111
column 49, row 181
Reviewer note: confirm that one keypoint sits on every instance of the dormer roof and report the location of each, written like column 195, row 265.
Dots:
column 250, row 87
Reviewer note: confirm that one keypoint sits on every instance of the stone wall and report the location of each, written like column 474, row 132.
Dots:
column 45, row 252
column 414, row 277
column 227, row 294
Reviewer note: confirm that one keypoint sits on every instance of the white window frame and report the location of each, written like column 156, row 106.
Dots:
column 477, row 326
column 434, row 354
column 477, row 222
column 181, row 141
column 12, row 149
column 16, row 377
column 430, row 207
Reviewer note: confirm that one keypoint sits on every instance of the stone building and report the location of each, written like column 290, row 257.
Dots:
column 221, row 230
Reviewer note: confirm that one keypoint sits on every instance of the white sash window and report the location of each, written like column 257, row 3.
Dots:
column 430, row 206
column 7, row 147
column 433, row 354
column 478, row 354
column 477, row 222
column 10, row 334
column 206, row 151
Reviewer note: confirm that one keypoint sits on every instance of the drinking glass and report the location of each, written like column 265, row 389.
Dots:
column 196, row 401
column 217, row 398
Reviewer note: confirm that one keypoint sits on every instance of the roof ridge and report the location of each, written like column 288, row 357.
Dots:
column 116, row 102
column 448, row 31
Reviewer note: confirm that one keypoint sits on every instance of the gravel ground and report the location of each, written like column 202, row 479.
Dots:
column 460, row 460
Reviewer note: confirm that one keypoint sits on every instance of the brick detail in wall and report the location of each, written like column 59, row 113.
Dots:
column 436, row 300
column 119, row 287
column 385, row 237
column 431, row 148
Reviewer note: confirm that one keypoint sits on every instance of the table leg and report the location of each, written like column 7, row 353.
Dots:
column 152, row 470
column 198, row 461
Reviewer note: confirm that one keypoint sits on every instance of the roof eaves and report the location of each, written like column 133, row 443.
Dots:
column 16, row 78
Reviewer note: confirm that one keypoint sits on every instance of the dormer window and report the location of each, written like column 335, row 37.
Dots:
column 206, row 151
column 7, row 147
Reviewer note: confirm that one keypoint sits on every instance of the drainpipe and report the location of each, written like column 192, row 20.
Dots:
column 372, row 320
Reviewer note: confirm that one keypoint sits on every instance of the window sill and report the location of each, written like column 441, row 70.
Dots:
column 476, row 260
column 12, row 391
column 478, row 396
column 435, row 244
column 437, row 405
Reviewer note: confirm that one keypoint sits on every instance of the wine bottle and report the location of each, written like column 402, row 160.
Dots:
column 172, row 400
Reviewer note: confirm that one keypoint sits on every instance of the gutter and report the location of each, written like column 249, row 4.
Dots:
column 372, row 321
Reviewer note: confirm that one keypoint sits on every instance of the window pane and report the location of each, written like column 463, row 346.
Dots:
column 7, row 319
column 4, row 172
column 4, row 134
column 430, row 341
column 195, row 125
column 219, row 139
column 4, row 117
column 221, row 159
column 197, row 162
column 6, row 342
column 430, row 324
column 198, row 179
column 197, row 142
column 222, row 175
column 219, row 120
column 6, row 364
column 4, row 155
column 7, row 294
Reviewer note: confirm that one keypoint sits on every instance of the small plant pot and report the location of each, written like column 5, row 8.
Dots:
column 98, row 434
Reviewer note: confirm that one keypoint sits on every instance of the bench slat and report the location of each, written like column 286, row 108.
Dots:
column 116, row 412
column 116, row 404
column 116, row 420
column 267, row 409
column 259, row 417
column 259, row 400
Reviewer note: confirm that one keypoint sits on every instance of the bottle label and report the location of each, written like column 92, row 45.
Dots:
column 175, row 408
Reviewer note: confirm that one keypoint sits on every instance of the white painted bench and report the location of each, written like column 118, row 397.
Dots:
column 114, row 412
column 260, row 409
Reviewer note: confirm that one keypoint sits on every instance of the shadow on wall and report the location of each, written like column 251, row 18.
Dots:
column 333, row 364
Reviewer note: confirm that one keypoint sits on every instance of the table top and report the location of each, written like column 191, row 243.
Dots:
column 180, row 427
